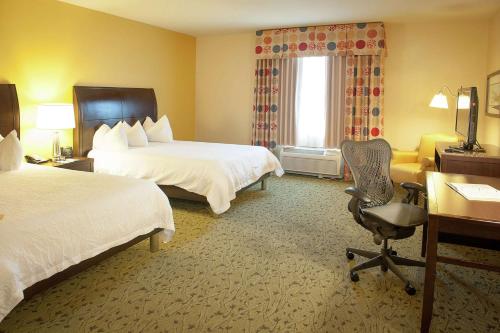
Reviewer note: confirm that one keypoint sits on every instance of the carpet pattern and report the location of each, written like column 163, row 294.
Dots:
column 275, row 262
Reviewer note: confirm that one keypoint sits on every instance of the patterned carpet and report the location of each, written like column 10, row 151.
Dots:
column 274, row 263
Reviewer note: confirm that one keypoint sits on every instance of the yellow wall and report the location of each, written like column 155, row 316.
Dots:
column 47, row 46
column 225, row 68
column 493, row 124
column 422, row 57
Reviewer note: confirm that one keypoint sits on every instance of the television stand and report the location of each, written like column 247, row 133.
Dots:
column 462, row 149
column 469, row 162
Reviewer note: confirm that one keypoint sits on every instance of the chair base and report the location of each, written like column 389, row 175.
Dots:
column 387, row 259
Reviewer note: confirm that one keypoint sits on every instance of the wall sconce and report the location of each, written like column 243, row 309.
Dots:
column 440, row 101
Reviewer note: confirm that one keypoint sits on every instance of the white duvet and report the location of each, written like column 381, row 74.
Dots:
column 214, row 170
column 54, row 218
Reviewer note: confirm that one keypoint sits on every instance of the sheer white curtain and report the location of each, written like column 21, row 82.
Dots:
column 335, row 101
column 310, row 112
column 286, row 107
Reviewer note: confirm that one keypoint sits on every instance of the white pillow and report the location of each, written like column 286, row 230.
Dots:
column 159, row 131
column 98, row 140
column 11, row 152
column 136, row 135
column 114, row 139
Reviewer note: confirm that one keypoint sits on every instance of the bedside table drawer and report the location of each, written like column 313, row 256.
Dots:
column 86, row 165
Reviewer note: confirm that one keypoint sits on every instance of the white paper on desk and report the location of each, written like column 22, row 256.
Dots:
column 68, row 160
column 478, row 192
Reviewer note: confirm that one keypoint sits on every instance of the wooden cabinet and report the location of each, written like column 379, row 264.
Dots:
column 469, row 163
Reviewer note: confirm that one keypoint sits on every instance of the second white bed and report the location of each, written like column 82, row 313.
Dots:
column 216, row 171
column 53, row 218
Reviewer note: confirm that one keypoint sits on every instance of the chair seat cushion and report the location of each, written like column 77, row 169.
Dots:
column 398, row 214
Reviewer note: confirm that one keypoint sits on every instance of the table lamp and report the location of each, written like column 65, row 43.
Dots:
column 55, row 117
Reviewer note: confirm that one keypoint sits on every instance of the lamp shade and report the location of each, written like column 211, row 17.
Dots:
column 439, row 101
column 55, row 116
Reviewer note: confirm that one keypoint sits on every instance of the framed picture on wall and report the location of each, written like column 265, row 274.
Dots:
column 493, row 95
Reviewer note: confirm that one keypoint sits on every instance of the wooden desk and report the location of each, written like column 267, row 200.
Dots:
column 470, row 163
column 451, row 213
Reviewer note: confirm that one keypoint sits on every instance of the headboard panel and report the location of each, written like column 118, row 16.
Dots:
column 9, row 109
column 95, row 106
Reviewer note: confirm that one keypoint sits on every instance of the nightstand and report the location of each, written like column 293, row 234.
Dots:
column 77, row 163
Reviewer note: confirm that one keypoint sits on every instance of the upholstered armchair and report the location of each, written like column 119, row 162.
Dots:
column 410, row 166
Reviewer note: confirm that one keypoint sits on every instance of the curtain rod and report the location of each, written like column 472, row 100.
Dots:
column 320, row 25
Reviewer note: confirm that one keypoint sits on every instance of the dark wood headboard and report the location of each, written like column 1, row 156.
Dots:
column 95, row 106
column 9, row 110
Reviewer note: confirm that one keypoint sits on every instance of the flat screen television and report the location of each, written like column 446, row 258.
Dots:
column 466, row 118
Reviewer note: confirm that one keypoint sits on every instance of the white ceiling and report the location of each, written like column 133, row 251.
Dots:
column 206, row 17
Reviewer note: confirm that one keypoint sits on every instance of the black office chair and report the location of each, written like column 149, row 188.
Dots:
column 371, row 206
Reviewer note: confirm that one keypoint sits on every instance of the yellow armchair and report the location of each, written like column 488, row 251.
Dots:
column 410, row 166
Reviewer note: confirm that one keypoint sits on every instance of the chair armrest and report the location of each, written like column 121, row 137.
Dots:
column 428, row 162
column 413, row 190
column 356, row 193
column 399, row 156
column 354, row 204
column 413, row 186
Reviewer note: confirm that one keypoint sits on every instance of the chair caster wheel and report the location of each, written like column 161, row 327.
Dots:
column 384, row 268
column 349, row 255
column 410, row 290
column 393, row 253
column 354, row 276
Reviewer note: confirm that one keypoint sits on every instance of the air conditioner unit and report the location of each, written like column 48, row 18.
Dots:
column 312, row 161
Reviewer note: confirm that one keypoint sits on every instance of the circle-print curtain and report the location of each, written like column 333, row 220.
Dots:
column 364, row 98
column 265, row 108
column 325, row 40
column 363, row 45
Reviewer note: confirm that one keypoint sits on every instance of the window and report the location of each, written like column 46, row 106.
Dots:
column 310, row 111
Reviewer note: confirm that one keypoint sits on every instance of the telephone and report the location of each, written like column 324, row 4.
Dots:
column 35, row 159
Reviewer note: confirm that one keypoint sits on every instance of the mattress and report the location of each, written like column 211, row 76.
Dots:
column 213, row 170
column 55, row 218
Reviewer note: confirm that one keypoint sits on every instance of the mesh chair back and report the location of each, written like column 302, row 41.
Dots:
column 369, row 162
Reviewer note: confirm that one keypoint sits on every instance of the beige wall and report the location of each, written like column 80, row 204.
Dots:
column 47, row 47
column 225, row 68
column 421, row 59
column 493, row 124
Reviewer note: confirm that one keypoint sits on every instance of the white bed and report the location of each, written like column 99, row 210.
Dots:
column 213, row 170
column 55, row 218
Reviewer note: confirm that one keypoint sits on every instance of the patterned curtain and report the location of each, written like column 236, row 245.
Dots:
column 361, row 48
column 265, row 108
column 364, row 100
column 326, row 40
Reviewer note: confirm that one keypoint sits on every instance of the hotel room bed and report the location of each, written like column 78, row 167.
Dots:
column 55, row 218
column 56, row 222
column 207, row 172
column 212, row 170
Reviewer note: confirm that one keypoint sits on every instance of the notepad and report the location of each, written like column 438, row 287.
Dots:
column 478, row 192
column 68, row 160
